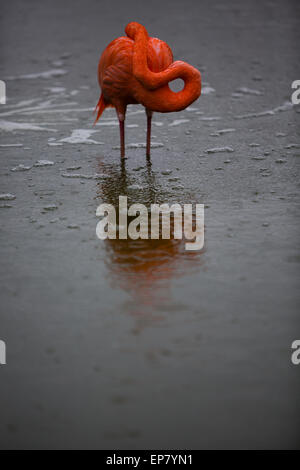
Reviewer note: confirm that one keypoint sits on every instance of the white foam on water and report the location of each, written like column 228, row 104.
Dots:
column 47, row 74
column 207, row 90
column 219, row 150
column 107, row 123
column 253, row 115
column 191, row 109
column 280, row 134
column 57, row 63
column 249, row 91
column 177, row 122
column 225, row 131
column 43, row 107
column 81, row 136
column 56, row 89
column 50, row 207
column 11, row 145
column 131, row 126
column 158, row 123
column 21, row 167
column 64, row 122
column 72, row 168
column 77, row 175
column 292, row 146
column 209, row 118
column 41, row 163
column 7, row 197
column 55, row 144
column 221, row 132
column 56, row 111
column 9, row 126
column 286, row 106
column 22, row 103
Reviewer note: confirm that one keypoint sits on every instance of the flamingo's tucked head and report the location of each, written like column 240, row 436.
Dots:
column 153, row 68
column 133, row 28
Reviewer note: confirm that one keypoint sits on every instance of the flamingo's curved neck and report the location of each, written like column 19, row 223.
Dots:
column 153, row 90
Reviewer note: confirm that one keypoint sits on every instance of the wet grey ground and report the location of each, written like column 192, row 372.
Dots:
column 132, row 345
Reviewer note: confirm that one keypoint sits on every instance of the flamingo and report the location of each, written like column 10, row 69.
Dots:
column 136, row 69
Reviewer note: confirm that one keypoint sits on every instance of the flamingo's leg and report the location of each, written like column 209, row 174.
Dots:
column 122, row 138
column 149, row 119
column 121, row 117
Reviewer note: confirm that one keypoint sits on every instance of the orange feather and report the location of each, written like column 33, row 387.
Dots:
column 137, row 69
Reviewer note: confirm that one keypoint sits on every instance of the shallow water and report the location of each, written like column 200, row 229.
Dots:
column 141, row 344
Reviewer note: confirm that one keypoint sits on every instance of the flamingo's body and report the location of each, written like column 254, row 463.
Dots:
column 137, row 69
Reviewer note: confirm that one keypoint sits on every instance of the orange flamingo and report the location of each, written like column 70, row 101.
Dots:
column 137, row 69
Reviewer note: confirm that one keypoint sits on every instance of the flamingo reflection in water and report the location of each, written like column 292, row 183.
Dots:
column 144, row 267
